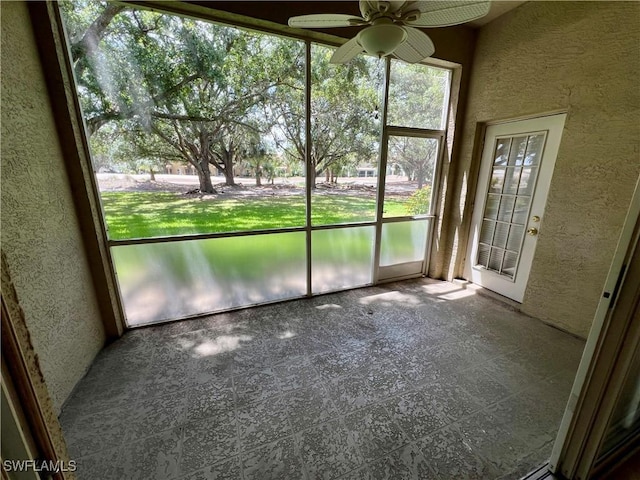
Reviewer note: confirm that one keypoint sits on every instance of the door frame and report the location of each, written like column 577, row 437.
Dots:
column 25, row 385
column 608, row 353
column 553, row 138
column 406, row 270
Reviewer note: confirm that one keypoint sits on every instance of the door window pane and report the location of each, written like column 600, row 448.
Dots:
column 341, row 258
column 506, row 208
column 164, row 281
column 528, row 180
column 501, row 154
column 534, row 149
column 501, row 234
column 495, row 259
column 411, row 163
column 512, row 181
column 486, row 233
column 521, row 212
column 509, row 264
column 403, row 242
column 483, row 255
column 512, row 178
column 491, row 207
column 515, row 238
column 497, row 180
column 516, row 156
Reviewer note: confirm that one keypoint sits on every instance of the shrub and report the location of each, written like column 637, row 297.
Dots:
column 419, row 201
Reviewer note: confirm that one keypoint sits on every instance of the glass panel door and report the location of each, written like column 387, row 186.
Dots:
column 407, row 204
column 508, row 202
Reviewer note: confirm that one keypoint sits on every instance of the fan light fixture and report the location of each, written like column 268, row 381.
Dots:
column 382, row 39
column 393, row 23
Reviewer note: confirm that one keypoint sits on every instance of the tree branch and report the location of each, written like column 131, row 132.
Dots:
column 91, row 38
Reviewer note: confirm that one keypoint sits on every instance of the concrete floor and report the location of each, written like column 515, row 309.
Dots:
column 414, row 380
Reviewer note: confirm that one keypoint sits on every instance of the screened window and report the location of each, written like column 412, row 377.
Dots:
column 219, row 188
column 418, row 95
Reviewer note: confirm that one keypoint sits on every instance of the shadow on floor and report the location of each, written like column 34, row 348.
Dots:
column 419, row 379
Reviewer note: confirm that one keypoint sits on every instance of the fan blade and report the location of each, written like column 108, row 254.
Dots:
column 346, row 52
column 323, row 20
column 444, row 14
column 416, row 47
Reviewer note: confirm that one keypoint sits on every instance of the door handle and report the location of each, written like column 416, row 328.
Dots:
column 533, row 231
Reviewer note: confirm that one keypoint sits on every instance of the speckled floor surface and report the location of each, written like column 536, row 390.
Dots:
column 413, row 380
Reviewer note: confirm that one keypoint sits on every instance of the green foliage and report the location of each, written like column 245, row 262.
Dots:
column 416, row 157
column 343, row 99
column 199, row 90
column 419, row 201
column 176, row 88
column 417, row 95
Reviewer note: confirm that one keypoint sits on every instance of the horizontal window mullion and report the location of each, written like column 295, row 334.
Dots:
column 202, row 236
column 410, row 218
column 393, row 130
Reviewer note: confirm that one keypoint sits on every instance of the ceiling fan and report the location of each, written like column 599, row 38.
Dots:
column 391, row 26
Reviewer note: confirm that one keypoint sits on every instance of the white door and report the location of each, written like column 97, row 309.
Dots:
column 410, row 176
column 515, row 173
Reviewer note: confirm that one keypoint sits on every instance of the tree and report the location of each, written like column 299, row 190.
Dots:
column 417, row 95
column 118, row 149
column 416, row 156
column 198, row 92
column 256, row 157
column 192, row 85
column 343, row 99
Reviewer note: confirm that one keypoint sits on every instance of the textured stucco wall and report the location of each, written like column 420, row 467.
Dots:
column 583, row 57
column 40, row 233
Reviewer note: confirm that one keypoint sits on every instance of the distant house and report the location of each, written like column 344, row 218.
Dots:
column 179, row 168
column 366, row 171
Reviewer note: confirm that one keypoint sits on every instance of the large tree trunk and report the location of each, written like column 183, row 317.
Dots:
column 258, row 181
column 152, row 175
column 420, row 178
column 227, row 167
column 228, row 176
column 204, row 177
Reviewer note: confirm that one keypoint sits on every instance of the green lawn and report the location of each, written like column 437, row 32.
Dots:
column 151, row 214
